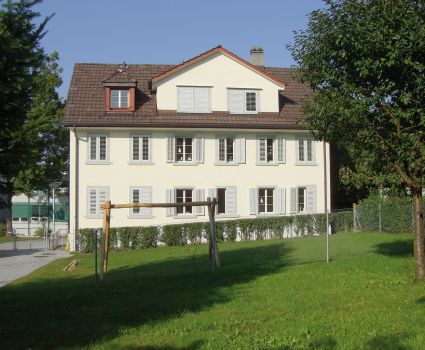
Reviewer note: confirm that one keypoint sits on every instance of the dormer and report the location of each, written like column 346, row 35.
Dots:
column 120, row 91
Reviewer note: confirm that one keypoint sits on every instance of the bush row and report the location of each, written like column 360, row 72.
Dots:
column 126, row 238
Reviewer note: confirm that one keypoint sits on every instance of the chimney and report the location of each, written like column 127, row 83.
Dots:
column 257, row 56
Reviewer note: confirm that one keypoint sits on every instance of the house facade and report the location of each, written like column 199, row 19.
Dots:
column 213, row 126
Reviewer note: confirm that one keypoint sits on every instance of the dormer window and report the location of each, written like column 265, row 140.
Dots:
column 241, row 101
column 120, row 97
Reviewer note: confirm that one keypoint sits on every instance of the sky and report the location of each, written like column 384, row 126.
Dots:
column 168, row 31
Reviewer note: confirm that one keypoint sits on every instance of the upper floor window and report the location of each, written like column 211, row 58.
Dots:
column 119, row 98
column 193, row 99
column 98, row 148
column 226, row 149
column 305, row 151
column 141, row 151
column 270, row 150
column 242, row 101
column 185, row 150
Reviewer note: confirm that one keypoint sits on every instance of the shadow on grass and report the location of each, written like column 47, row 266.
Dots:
column 395, row 248
column 193, row 346
column 387, row 342
column 74, row 312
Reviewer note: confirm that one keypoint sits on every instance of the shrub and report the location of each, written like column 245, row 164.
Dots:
column 173, row 235
column 85, row 240
column 2, row 230
column 40, row 232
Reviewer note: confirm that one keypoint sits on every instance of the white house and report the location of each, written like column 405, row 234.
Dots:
column 215, row 125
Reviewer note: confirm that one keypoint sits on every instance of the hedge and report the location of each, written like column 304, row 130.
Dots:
column 279, row 227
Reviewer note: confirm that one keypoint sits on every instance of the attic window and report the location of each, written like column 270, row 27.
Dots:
column 119, row 99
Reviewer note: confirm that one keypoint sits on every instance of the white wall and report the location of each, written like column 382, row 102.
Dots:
column 220, row 73
column 119, row 175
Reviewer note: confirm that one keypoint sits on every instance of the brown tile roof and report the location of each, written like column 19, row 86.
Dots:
column 85, row 105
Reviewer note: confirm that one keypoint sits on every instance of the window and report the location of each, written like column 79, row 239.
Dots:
column 226, row 200
column 305, row 151
column 192, row 99
column 184, row 149
column 303, row 199
column 184, row 196
column 226, row 149
column 141, row 195
column 98, row 148
column 140, row 148
column 243, row 101
column 119, row 99
column 270, row 150
column 96, row 197
column 265, row 200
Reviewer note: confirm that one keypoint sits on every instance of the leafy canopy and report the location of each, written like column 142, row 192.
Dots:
column 365, row 62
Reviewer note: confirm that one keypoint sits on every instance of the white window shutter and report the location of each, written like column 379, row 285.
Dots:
column 199, row 197
column 185, row 99
column 311, row 199
column 261, row 150
column 170, row 198
column 150, row 148
column 171, row 141
column 92, row 202
column 293, row 200
column 253, row 201
column 217, row 149
column 313, row 150
column 240, row 150
column 231, row 201
column 279, row 196
column 199, row 149
column 202, row 99
column 281, row 151
column 103, row 197
column 236, row 101
column 145, row 195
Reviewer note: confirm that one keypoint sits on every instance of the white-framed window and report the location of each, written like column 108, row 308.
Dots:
column 243, row 101
column 185, row 195
column 303, row 199
column 140, row 194
column 270, row 150
column 305, row 151
column 119, row 98
column 226, row 200
column 185, row 150
column 267, row 200
column 98, row 148
column 96, row 197
column 141, row 148
column 193, row 99
column 230, row 150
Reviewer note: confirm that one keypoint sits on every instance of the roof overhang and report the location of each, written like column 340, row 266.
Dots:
column 120, row 84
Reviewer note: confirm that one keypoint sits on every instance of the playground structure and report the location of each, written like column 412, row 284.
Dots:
column 212, row 239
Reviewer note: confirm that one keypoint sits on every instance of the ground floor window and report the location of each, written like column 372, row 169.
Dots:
column 301, row 199
column 265, row 200
column 184, row 196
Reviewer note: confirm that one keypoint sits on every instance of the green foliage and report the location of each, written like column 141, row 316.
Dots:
column 40, row 232
column 365, row 62
column 85, row 240
column 173, row 235
column 2, row 230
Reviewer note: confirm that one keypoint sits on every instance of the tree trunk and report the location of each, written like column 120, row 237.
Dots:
column 8, row 210
column 418, row 247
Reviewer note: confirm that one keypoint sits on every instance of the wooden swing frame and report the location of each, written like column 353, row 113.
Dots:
column 212, row 239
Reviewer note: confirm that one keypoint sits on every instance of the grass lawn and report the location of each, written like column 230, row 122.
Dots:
column 265, row 296
column 5, row 239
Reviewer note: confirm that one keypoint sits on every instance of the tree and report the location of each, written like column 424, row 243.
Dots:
column 365, row 62
column 29, row 108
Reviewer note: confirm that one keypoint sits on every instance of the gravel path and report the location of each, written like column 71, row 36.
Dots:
column 29, row 256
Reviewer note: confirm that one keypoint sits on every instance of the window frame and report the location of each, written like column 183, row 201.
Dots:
column 304, row 195
column 184, row 209
column 193, row 109
column 226, row 156
column 305, row 151
column 139, row 213
column 97, row 159
column 131, row 98
column 140, row 136
column 266, row 203
column 184, row 161
column 244, row 109
column 276, row 141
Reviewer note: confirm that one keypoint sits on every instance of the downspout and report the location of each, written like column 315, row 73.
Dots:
column 76, row 183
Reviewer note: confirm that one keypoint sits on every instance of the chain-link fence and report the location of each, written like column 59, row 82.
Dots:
column 341, row 233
